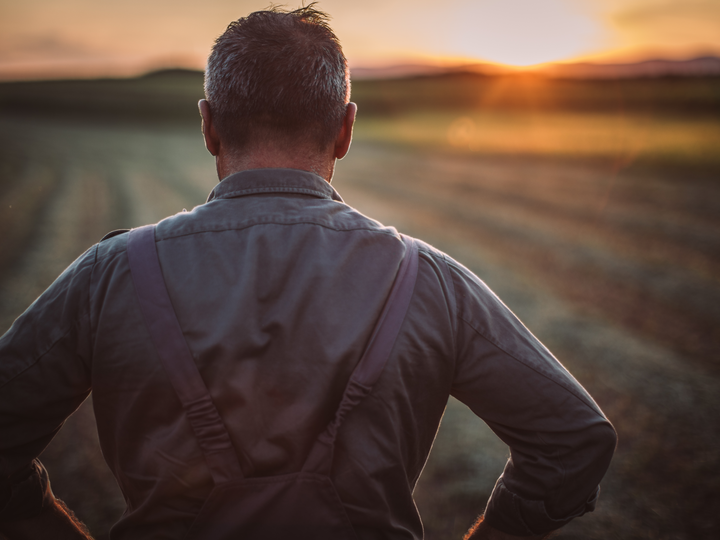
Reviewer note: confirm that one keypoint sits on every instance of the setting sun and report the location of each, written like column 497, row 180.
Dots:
column 520, row 33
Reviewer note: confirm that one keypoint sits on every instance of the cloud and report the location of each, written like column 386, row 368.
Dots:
column 669, row 11
column 670, row 26
column 47, row 47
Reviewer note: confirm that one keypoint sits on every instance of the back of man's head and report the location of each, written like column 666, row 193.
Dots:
column 278, row 75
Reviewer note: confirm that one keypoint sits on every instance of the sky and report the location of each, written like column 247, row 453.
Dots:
column 57, row 38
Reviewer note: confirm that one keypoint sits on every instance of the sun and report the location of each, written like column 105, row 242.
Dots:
column 527, row 32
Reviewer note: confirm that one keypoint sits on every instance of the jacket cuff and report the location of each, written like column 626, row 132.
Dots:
column 27, row 494
column 512, row 514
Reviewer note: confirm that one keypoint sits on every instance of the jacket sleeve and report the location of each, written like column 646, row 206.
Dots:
column 44, row 377
column 560, row 441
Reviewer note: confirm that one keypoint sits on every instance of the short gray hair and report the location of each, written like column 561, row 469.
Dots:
column 279, row 73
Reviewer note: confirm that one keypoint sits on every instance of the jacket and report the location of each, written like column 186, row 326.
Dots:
column 277, row 284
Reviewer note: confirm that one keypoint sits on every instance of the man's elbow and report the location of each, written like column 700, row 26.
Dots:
column 605, row 441
column 585, row 466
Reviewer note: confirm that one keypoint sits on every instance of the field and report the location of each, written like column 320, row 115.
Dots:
column 592, row 209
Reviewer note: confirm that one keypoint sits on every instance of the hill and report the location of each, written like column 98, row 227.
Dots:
column 172, row 95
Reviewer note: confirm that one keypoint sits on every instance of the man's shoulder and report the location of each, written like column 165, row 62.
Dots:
column 439, row 258
column 114, row 233
column 430, row 250
column 111, row 245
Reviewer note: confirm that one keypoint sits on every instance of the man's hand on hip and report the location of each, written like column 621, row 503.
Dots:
column 483, row 531
column 57, row 522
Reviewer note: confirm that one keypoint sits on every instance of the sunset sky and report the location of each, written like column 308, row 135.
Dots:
column 54, row 38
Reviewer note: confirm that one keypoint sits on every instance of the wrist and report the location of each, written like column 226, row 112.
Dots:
column 55, row 521
column 482, row 531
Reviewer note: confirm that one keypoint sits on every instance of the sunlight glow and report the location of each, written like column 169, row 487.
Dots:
column 522, row 33
column 84, row 38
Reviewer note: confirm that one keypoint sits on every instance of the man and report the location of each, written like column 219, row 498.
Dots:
column 277, row 286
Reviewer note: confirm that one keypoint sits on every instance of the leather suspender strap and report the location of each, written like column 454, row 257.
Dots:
column 176, row 358
column 174, row 354
column 373, row 360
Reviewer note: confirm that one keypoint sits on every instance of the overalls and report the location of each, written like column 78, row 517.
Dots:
column 303, row 505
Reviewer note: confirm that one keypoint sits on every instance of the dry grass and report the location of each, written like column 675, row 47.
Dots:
column 619, row 137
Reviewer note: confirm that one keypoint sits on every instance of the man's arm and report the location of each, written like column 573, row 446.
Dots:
column 560, row 441
column 44, row 377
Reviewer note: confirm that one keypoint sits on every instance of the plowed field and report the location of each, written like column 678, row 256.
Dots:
column 616, row 269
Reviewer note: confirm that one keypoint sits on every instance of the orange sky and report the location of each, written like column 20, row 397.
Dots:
column 52, row 38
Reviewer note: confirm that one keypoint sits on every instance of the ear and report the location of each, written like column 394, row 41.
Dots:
column 342, row 143
column 212, row 141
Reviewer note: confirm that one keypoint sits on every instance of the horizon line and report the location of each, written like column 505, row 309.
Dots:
column 697, row 65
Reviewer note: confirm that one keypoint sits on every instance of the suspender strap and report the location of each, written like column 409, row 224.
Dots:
column 176, row 357
column 373, row 361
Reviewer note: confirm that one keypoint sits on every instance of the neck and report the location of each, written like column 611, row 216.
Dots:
column 229, row 163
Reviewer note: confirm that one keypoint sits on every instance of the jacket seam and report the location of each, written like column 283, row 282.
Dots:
column 243, row 227
column 528, row 366
column 563, row 476
column 37, row 360
column 91, row 333
column 271, row 189
column 74, row 324
column 454, row 311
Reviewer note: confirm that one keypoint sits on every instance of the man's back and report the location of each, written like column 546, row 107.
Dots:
column 277, row 293
column 277, row 287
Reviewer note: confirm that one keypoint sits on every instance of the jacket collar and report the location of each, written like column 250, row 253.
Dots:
column 256, row 181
